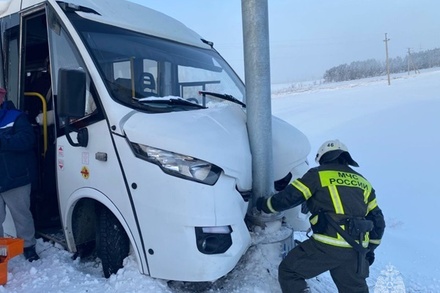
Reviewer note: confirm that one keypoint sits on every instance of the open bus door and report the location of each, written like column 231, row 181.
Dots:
column 26, row 76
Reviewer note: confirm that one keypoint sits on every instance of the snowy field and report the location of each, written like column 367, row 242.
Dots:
column 391, row 131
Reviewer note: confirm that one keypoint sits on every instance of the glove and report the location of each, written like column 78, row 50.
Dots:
column 370, row 257
column 261, row 205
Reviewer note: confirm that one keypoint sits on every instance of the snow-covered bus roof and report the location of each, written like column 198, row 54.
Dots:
column 122, row 14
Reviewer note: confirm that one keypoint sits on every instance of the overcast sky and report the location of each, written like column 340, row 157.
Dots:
column 309, row 37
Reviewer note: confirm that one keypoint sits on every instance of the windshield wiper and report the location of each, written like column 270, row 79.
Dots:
column 172, row 101
column 226, row 97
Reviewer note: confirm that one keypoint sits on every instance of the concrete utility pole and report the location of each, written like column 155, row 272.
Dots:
column 388, row 63
column 258, row 95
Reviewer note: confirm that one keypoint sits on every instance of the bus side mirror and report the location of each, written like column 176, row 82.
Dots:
column 71, row 101
column 71, row 98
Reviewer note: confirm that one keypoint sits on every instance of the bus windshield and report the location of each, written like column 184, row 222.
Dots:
column 144, row 72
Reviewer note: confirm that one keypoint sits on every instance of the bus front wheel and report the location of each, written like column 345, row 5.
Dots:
column 112, row 243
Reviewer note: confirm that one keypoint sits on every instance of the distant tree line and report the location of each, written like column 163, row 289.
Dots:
column 372, row 67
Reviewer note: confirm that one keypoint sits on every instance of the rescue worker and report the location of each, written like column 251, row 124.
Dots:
column 17, row 139
column 337, row 197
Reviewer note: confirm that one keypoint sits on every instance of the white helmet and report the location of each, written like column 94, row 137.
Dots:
column 331, row 150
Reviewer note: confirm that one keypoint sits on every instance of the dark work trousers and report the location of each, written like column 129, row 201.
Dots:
column 311, row 258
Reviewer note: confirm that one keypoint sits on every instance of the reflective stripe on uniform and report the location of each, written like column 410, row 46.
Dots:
column 367, row 193
column 314, row 220
column 336, row 199
column 301, row 187
column 375, row 241
column 339, row 242
column 269, row 205
column 371, row 205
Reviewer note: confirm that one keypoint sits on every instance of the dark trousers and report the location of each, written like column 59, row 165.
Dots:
column 311, row 258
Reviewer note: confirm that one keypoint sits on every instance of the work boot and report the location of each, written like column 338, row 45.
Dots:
column 30, row 254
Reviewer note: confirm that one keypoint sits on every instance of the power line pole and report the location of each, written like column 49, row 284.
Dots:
column 258, row 103
column 411, row 62
column 388, row 63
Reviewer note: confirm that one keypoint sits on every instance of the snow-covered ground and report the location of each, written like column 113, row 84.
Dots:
column 391, row 131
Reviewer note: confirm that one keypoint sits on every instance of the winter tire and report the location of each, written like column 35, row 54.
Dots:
column 112, row 243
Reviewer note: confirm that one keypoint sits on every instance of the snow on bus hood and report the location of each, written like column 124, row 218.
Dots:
column 217, row 135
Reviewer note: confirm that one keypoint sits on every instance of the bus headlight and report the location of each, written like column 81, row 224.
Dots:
column 179, row 165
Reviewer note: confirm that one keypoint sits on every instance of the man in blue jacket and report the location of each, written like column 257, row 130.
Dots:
column 17, row 140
